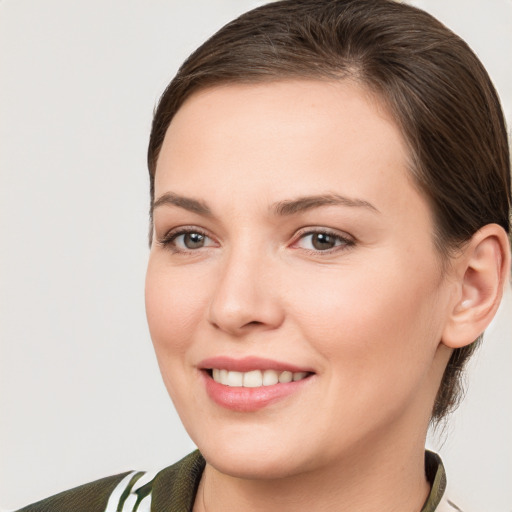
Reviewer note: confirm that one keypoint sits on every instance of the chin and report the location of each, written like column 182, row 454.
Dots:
column 251, row 457
column 252, row 466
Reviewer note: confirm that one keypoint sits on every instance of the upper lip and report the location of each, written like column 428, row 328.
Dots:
column 247, row 364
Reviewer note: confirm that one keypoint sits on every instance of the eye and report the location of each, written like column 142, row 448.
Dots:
column 184, row 240
column 190, row 240
column 323, row 241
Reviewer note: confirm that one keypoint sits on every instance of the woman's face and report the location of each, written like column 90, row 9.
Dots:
column 290, row 243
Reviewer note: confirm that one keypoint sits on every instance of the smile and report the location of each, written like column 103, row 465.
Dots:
column 255, row 378
column 252, row 383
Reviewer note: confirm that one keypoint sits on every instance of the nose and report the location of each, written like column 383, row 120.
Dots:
column 246, row 295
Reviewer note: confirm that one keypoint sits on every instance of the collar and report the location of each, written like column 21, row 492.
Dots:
column 181, row 482
column 436, row 476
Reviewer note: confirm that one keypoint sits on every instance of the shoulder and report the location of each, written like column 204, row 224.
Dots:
column 134, row 490
column 90, row 497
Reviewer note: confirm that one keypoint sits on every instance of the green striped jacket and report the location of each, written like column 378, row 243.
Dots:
column 174, row 488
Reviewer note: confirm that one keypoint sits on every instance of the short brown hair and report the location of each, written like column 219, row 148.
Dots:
column 436, row 88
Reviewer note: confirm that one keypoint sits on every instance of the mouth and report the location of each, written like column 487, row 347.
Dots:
column 250, row 384
column 254, row 378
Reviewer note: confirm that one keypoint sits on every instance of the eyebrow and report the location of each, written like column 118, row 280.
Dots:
column 187, row 203
column 301, row 204
column 281, row 208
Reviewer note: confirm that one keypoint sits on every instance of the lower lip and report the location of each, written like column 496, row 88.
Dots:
column 249, row 399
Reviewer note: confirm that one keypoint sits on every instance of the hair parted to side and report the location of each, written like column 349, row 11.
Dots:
column 433, row 84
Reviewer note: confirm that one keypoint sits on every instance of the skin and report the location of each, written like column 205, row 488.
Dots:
column 367, row 316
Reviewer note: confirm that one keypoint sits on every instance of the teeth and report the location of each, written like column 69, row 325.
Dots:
column 255, row 378
column 299, row 376
column 235, row 379
column 270, row 377
column 286, row 377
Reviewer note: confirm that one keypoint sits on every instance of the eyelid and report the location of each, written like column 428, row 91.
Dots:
column 347, row 239
column 166, row 241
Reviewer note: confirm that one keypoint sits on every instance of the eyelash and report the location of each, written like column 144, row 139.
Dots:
column 346, row 241
column 168, row 240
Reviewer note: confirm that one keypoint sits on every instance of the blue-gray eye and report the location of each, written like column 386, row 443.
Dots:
column 322, row 241
column 190, row 240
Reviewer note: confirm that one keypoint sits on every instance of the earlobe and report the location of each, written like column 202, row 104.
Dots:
column 483, row 268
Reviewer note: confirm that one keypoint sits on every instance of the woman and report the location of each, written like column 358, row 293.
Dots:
column 330, row 198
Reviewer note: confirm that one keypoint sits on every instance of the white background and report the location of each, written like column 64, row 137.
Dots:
column 80, row 392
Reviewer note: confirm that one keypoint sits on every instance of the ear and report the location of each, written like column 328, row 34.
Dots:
column 482, row 270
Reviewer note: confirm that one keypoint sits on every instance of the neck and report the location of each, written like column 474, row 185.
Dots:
column 389, row 479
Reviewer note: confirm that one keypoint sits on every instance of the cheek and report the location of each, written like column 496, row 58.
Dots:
column 174, row 304
column 371, row 323
column 174, row 307
column 377, row 338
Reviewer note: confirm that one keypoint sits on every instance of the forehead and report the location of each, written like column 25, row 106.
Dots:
column 286, row 138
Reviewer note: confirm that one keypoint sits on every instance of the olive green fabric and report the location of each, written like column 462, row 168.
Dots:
column 436, row 476
column 174, row 489
column 90, row 497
